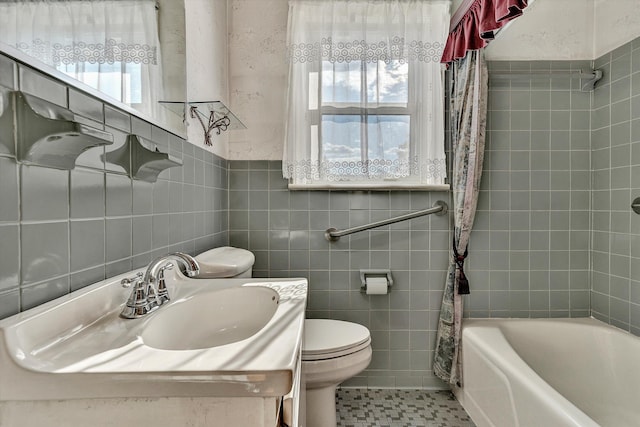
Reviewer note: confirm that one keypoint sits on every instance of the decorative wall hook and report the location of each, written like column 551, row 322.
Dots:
column 219, row 124
column 211, row 115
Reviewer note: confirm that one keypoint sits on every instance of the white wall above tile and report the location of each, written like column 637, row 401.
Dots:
column 547, row 30
column 207, row 64
column 616, row 23
column 258, row 77
column 568, row 29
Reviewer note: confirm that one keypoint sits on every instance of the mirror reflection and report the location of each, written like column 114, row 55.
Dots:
column 112, row 46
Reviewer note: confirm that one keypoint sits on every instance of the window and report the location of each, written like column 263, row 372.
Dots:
column 120, row 80
column 365, row 99
column 365, row 119
column 110, row 45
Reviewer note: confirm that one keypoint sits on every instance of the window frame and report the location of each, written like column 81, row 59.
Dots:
column 350, row 109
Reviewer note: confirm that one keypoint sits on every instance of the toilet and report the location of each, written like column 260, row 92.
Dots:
column 225, row 261
column 332, row 350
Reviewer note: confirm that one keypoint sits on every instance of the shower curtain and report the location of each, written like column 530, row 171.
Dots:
column 468, row 108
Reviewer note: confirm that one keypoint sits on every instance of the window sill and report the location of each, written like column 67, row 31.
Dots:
column 378, row 186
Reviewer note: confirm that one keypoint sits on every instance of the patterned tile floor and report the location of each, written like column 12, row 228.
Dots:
column 399, row 408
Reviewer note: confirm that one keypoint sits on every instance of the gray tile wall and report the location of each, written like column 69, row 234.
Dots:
column 529, row 251
column 63, row 230
column 530, row 244
column 615, row 296
column 285, row 230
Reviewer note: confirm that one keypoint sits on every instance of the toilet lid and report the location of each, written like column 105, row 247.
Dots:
column 325, row 338
column 225, row 261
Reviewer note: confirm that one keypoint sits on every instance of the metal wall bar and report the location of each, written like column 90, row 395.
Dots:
column 589, row 78
column 439, row 208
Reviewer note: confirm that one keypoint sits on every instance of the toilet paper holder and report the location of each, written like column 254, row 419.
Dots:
column 364, row 274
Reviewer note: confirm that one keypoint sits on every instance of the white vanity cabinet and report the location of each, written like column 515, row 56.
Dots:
column 157, row 412
column 294, row 413
column 160, row 412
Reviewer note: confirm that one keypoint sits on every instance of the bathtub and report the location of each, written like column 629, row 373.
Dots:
column 549, row 373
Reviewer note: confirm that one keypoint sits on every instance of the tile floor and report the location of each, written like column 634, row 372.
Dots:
column 399, row 408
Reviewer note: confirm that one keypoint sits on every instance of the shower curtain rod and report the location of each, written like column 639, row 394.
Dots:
column 589, row 78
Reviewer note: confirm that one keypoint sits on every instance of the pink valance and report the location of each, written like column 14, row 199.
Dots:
column 478, row 25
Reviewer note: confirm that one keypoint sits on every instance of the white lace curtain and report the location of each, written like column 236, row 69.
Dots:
column 111, row 45
column 344, row 40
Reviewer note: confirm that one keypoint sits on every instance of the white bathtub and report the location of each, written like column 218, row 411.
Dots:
column 549, row 373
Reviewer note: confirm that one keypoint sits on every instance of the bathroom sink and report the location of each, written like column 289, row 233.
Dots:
column 215, row 338
column 211, row 319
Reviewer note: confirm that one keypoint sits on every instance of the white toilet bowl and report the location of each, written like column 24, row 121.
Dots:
column 333, row 351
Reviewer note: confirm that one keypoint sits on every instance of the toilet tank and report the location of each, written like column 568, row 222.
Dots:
column 225, row 261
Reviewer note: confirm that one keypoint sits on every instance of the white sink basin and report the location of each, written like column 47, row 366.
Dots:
column 215, row 338
column 211, row 319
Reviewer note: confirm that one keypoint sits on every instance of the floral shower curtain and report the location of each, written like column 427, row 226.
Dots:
column 468, row 107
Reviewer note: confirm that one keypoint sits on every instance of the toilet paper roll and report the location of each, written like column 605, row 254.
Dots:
column 376, row 285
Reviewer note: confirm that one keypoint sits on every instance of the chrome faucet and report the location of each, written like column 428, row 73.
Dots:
column 149, row 290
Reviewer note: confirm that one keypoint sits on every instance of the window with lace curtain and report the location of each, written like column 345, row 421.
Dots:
column 110, row 45
column 365, row 97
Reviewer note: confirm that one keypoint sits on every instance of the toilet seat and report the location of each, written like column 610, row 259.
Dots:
column 328, row 339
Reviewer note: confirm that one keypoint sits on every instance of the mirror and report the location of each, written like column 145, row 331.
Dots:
column 131, row 53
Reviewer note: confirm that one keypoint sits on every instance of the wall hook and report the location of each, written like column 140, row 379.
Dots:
column 219, row 124
column 211, row 115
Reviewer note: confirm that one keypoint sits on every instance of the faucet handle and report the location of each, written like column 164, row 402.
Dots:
column 163, row 292
column 141, row 301
column 128, row 281
column 167, row 266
